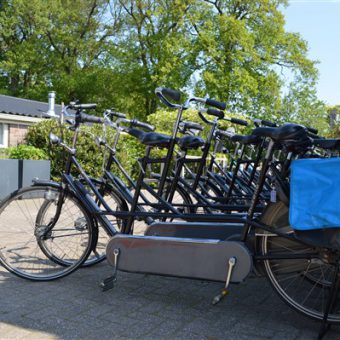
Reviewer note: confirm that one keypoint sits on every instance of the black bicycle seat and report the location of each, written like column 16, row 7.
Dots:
column 250, row 139
column 136, row 133
column 150, row 138
column 286, row 132
column 156, row 139
column 190, row 142
column 329, row 144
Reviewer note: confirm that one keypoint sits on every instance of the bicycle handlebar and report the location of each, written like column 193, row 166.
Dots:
column 76, row 106
column 227, row 134
column 238, row 121
column 166, row 94
column 265, row 122
column 137, row 123
column 172, row 94
column 163, row 92
column 205, row 120
column 216, row 104
column 85, row 118
column 217, row 113
column 191, row 125
column 115, row 114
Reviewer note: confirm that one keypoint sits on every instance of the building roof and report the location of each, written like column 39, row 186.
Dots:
column 25, row 107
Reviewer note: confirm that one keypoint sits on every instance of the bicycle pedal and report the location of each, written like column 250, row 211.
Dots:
column 218, row 298
column 107, row 283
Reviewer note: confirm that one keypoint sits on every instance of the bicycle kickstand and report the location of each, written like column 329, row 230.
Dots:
column 108, row 283
column 224, row 292
column 333, row 294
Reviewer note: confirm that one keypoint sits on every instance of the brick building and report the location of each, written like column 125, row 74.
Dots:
column 17, row 114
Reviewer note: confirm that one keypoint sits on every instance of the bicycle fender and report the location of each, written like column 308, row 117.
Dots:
column 46, row 182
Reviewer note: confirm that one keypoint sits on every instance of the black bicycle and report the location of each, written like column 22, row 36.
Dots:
column 301, row 269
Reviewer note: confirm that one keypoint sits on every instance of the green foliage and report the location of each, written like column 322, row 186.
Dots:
column 302, row 106
column 153, row 49
column 23, row 151
column 3, row 153
column 164, row 120
column 88, row 153
column 334, row 121
column 117, row 52
column 54, row 44
column 244, row 51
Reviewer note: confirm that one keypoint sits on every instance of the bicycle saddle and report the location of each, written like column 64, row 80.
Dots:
column 190, row 142
column 136, row 133
column 150, row 138
column 250, row 139
column 284, row 133
column 329, row 144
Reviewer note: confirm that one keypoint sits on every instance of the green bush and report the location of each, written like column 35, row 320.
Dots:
column 23, row 151
column 164, row 120
column 89, row 155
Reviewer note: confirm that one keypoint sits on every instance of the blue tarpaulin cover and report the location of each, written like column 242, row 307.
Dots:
column 315, row 193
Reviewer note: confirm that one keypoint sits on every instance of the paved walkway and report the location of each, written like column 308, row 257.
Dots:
column 146, row 307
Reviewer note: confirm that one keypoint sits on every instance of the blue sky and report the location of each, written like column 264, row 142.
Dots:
column 318, row 22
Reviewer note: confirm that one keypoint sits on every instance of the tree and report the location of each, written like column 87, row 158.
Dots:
column 301, row 105
column 116, row 52
column 151, row 50
column 54, row 44
column 334, row 121
column 243, row 49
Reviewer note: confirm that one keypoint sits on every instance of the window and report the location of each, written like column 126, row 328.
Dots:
column 3, row 135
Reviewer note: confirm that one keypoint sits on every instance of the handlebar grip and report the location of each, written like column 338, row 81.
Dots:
column 217, row 113
column 312, row 130
column 117, row 114
column 239, row 121
column 85, row 118
column 268, row 123
column 82, row 106
column 172, row 94
column 215, row 103
column 142, row 125
column 222, row 133
column 192, row 125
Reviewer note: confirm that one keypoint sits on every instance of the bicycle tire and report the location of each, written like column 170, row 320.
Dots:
column 303, row 284
column 20, row 251
column 100, row 236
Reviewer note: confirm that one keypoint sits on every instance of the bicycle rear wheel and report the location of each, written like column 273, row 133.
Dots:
column 28, row 254
column 304, row 284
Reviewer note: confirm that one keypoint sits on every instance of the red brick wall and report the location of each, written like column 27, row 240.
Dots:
column 16, row 134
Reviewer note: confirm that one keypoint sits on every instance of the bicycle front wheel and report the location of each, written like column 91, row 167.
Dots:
column 27, row 250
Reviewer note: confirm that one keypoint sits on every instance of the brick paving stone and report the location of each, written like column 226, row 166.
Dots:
column 146, row 307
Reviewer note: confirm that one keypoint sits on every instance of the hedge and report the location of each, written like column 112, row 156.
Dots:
column 90, row 155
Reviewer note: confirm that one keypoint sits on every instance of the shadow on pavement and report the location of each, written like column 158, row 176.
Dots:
column 145, row 307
